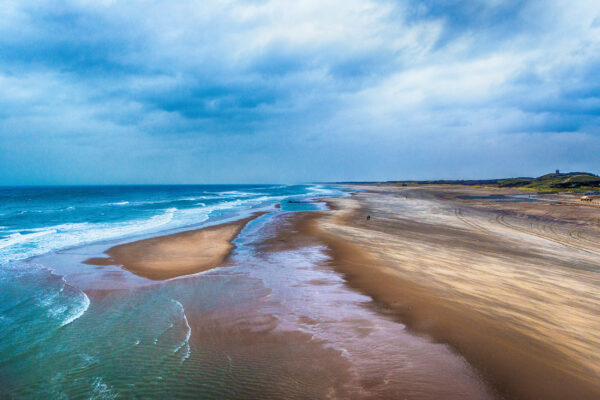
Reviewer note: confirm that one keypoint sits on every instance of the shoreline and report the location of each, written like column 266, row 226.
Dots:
column 465, row 282
column 412, row 366
column 508, row 286
column 178, row 254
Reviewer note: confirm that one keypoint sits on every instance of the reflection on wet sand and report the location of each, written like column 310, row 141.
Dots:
column 307, row 295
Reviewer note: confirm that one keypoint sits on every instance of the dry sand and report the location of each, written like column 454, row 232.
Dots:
column 184, row 253
column 513, row 286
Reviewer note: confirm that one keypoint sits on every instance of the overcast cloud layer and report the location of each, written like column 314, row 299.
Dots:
column 276, row 91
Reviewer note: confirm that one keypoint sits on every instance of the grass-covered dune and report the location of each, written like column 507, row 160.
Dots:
column 571, row 180
column 554, row 182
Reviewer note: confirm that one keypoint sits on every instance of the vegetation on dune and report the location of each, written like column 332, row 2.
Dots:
column 555, row 182
column 552, row 182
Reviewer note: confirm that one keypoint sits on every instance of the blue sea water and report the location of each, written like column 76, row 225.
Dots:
column 36, row 220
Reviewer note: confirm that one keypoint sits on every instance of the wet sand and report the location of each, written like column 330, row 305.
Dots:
column 279, row 322
column 282, row 322
column 170, row 256
column 513, row 286
column 383, row 359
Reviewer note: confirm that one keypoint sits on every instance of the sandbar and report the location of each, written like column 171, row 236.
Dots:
column 178, row 254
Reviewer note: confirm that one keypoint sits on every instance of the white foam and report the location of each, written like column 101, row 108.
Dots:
column 236, row 193
column 186, row 342
column 320, row 190
column 118, row 203
column 43, row 240
column 17, row 238
column 65, row 303
column 101, row 390
column 163, row 201
column 78, row 311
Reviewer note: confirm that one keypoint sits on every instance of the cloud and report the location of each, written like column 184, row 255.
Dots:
column 261, row 90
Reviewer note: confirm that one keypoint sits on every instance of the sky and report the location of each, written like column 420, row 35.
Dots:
column 261, row 91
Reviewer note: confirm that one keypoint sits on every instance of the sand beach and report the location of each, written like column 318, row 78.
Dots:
column 511, row 283
column 507, row 280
